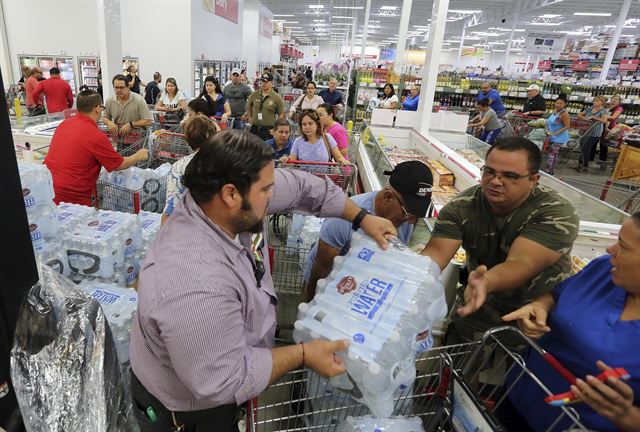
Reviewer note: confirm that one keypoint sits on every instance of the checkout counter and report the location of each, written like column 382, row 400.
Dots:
column 379, row 148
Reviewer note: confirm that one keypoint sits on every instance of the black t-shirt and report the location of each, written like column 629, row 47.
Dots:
column 136, row 84
column 536, row 103
column 151, row 92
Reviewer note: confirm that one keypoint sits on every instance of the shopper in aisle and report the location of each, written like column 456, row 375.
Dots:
column 173, row 99
column 135, row 81
column 79, row 149
column 198, row 107
column 58, row 92
column 197, row 131
column 152, row 89
column 264, row 107
column 615, row 110
column 332, row 95
column 535, row 105
column 281, row 141
column 517, row 235
column 277, row 79
column 486, row 122
column 125, row 110
column 403, row 201
column 308, row 74
column 589, row 321
column 599, row 115
column 34, row 107
column 411, row 101
column 217, row 103
column 493, row 96
column 330, row 125
column 307, row 101
column 315, row 145
column 389, row 99
column 26, row 72
column 237, row 94
column 557, row 131
column 202, row 341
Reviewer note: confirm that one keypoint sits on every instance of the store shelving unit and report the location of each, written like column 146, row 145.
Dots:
column 88, row 68
column 46, row 62
column 221, row 69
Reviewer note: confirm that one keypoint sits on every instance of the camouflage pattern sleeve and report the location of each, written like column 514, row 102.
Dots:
column 449, row 222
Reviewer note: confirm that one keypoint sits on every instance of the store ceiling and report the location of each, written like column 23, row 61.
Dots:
column 332, row 21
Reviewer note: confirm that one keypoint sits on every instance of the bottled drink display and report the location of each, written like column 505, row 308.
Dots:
column 381, row 301
column 372, row 424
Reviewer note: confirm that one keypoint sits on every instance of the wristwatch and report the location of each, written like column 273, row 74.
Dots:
column 358, row 219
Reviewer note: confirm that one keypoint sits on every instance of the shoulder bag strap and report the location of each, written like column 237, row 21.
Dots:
column 327, row 145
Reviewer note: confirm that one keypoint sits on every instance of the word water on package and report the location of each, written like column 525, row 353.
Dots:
column 385, row 303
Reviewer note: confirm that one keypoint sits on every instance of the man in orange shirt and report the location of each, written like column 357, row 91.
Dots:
column 34, row 107
column 57, row 90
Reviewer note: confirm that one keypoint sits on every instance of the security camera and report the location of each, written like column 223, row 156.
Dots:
column 504, row 20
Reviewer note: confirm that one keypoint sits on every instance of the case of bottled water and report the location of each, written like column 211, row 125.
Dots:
column 149, row 226
column 54, row 255
column 43, row 223
column 37, row 184
column 118, row 305
column 304, row 231
column 381, row 301
column 101, row 244
column 150, row 183
column 71, row 215
column 372, row 424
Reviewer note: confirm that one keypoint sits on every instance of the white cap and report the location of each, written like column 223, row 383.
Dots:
column 235, row 71
column 534, row 87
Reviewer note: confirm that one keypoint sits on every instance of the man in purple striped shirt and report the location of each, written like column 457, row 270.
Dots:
column 202, row 343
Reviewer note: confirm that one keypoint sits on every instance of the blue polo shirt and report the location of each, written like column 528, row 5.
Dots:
column 334, row 98
column 337, row 232
column 585, row 327
column 494, row 94
column 279, row 153
column 411, row 103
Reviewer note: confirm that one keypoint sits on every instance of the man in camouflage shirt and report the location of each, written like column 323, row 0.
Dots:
column 517, row 235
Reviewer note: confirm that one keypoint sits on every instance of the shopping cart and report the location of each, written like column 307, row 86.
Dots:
column 167, row 146
column 289, row 255
column 472, row 373
column 517, row 124
column 624, row 195
column 579, row 130
column 136, row 137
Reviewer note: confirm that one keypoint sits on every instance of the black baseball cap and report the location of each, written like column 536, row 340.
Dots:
column 414, row 181
column 267, row 76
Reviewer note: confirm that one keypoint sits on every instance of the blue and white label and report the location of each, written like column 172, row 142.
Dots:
column 105, row 297
column 366, row 254
column 370, row 297
column 358, row 338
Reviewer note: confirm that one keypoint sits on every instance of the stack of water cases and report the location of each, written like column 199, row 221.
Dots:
column 372, row 424
column 385, row 303
column 38, row 194
column 150, row 183
column 104, row 248
column 149, row 227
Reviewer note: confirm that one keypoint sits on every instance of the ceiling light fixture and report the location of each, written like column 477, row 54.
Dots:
column 600, row 14
column 459, row 11
column 349, row 7
column 319, row 6
column 550, row 16
column 389, row 8
column 544, row 23
column 283, row 15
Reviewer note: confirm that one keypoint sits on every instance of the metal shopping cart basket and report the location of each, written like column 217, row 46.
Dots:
column 289, row 254
column 452, row 382
column 518, row 125
column 165, row 146
column 624, row 195
column 136, row 137
column 113, row 193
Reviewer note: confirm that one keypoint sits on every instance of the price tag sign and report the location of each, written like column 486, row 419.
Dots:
column 628, row 65
column 522, row 94
column 458, row 90
column 588, row 99
column 474, row 91
column 573, row 98
column 440, row 89
column 626, row 101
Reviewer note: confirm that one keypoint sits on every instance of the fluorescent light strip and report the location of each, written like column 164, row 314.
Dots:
column 349, row 7
column 319, row 6
column 544, row 24
column 600, row 14
column 550, row 16
column 283, row 15
column 389, row 8
column 341, row 17
column 458, row 11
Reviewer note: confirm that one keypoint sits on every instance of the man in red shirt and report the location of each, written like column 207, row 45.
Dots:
column 34, row 106
column 79, row 149
column 58, row 92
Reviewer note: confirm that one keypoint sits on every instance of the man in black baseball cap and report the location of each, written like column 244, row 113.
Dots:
column 403, row 201
column 264, row 107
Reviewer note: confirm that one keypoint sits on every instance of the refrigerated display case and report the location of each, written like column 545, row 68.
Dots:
column 128, row 61
column 46, row 62
column 221, row 69
column 88, row 68
column 32, row 135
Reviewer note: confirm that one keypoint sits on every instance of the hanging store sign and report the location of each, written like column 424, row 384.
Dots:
column 628, row 65
column 227, row 9
column 266, row 22
column 387, row 54
column 545, row 43
column 579, row 65
column 544, row 65
column 472, row 52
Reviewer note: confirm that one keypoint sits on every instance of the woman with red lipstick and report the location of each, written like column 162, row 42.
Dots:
column 591, row 322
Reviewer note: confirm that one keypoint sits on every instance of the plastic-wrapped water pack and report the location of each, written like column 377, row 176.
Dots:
column 37, row 184
column 101, row 244
column 71, row 215
column 54, row 255
column 304, row 231
column 150, row 183
column 149, row 226
column 381, row 301
column 372, row 424
column 43, row 223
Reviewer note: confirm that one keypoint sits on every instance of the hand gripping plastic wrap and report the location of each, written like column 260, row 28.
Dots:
column 372, row 424
column 64, row 365
column 381, row 301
